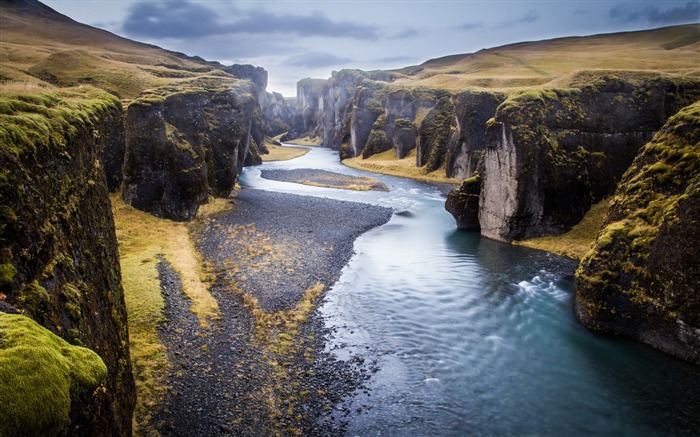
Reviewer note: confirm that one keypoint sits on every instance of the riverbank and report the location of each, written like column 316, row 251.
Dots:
column 261, row 368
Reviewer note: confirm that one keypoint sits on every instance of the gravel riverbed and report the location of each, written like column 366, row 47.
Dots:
column 262, row 368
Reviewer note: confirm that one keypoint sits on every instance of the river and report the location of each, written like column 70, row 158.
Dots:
column 475, row 337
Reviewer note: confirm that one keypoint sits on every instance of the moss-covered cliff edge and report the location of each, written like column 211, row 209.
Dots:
column 641, row 278
column 59, row 263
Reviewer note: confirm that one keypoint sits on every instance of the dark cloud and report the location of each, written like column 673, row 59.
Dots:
column 690, row 13
column 470, row 26
column 183, row 19
column 172, row 19
column 317, row 60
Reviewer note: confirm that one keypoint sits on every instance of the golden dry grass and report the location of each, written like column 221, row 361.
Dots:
column 46, row 47
column 672, row 51
column 282, row 153
column 387, row 163
column 143, row 239
column 306, row 141
column 578, row 241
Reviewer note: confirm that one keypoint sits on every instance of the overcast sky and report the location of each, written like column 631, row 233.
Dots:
column 294, row 39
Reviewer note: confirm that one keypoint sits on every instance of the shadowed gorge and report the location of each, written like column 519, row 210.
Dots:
column 427, row 250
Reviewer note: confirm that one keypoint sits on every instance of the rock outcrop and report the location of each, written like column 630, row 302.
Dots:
column 59, row 263
column 547, row 155
column 183, row 145
column 641, row 278
column 463, row 204
column 551, row 154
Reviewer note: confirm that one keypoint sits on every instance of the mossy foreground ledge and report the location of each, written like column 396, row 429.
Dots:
column 45, row 381
column 641, row 278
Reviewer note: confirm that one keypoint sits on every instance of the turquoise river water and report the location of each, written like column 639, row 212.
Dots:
column 475, row 337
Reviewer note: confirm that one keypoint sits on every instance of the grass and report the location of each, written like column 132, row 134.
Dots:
column 33, row 116
column 387, row 163
column 579, row 240
column 282, row 153
column 307, row 141
column 42, row 49
column 555, row 62
column 143, row 240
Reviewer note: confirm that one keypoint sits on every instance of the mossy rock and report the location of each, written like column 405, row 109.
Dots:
column 640, row 279
column 43, row 378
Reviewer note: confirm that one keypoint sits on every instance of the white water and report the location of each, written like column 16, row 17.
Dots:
column 474, row 337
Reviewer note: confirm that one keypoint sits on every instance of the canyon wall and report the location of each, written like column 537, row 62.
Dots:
column 544, row 156
column 185, row 144
column 551, row 153
column 641, row 278
column 59, row 263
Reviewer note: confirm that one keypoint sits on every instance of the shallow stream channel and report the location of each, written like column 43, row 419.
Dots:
column 468, row 336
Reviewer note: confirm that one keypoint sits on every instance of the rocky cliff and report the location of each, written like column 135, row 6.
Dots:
column 277, row 114
column 186, row 143
column 58, row 251
column 641, row 278
column 548, row 154
column 544, row 156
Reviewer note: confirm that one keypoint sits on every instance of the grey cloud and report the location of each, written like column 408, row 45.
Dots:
column 183, row 19
column 470, row 25
column 408, row 33
column 690, row 13
column 172, row 19
column 317, row 60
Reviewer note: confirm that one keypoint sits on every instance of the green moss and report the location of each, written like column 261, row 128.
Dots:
column 7, row 274
column 31, row 121
column 40, row 374
column 36, row 299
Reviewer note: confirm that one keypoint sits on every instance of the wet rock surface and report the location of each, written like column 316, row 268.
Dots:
column 262, row 368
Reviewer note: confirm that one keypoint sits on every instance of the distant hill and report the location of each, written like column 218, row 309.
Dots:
column 39, row 45
column 560, row 62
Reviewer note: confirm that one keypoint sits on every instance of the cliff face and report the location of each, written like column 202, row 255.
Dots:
column 550, row 154
column 277, row 114
column 309, row 109
column 641, row 278
column 185, row 145
column 58, row 251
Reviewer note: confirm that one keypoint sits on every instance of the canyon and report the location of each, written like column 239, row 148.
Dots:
column 169, row 133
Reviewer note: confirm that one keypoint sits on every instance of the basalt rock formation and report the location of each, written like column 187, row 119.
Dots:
column 641, row 278
column 59, row 263
column 183, row 145
column 544, row 155
column 551, row 153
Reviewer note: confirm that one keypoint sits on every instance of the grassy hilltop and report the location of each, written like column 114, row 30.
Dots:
column 41, row 47
column 562, row 62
